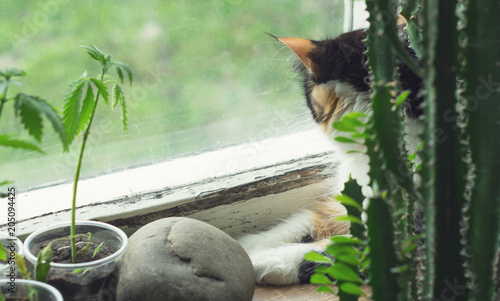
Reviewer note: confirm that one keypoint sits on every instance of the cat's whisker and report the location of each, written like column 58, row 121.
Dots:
column 299, row 122
column 262, row 43
column 279, row 50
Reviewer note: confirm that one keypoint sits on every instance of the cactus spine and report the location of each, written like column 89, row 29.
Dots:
column 481, row 76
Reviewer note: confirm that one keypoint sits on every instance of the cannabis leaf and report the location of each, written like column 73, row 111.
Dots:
column 11, row 72
column 80, row 104
column 117, row 66
column 118, row 97
column 26, row 108
column 88, row 107
column 119, row 72
column 71, row 112
column 101, row 88
column 7, row 140
column 31, row 108
column 94, row 53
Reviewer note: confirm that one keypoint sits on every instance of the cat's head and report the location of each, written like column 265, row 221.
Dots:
column 335, row 76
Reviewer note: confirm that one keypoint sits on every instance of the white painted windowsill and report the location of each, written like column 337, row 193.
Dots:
column 237, row 189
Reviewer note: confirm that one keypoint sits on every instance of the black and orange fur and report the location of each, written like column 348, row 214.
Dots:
column 336, row 81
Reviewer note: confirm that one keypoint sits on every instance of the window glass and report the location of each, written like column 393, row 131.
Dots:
column 205, row 76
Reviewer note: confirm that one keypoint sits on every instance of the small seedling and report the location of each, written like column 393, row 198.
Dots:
column 97, row 250
column 80, row 107
column 84, row 249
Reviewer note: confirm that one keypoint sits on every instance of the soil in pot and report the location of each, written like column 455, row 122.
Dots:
column 82, row 284
column 61, row 250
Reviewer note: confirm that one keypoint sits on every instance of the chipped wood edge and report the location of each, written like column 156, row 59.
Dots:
column 290, row 173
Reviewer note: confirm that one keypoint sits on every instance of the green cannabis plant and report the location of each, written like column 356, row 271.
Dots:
column 81, row 100
column 29, row 109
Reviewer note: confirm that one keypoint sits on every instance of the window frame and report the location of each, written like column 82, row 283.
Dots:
column 238, row 189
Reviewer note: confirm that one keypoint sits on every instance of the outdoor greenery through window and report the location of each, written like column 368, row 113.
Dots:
column 205, row 76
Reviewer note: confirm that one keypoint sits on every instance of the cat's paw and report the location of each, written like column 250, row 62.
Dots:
column 271, row 268
column 280, row 265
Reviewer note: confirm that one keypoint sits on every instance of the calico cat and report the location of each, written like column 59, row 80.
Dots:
column 336, row 81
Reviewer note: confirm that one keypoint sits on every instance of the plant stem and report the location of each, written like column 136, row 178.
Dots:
column 77, row 177
column 4, row 98
column 1, row 106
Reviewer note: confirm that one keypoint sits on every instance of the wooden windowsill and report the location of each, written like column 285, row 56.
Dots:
column 238, row 189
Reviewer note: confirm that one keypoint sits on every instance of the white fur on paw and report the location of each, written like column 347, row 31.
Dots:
column 280, row 266
column 271, row 268
column 290, row 230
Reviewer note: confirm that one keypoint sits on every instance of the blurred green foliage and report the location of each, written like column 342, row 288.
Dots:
column 205, row 74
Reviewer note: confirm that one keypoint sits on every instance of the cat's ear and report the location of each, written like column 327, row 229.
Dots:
column 303, row 48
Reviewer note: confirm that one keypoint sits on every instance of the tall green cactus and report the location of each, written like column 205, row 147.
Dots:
column 481, row 76
column 458, row 45
column 386, row 130
column 446, row 197
column 445, row 173
column 382, row 61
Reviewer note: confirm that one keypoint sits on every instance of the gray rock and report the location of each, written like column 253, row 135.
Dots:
column 184, row 259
